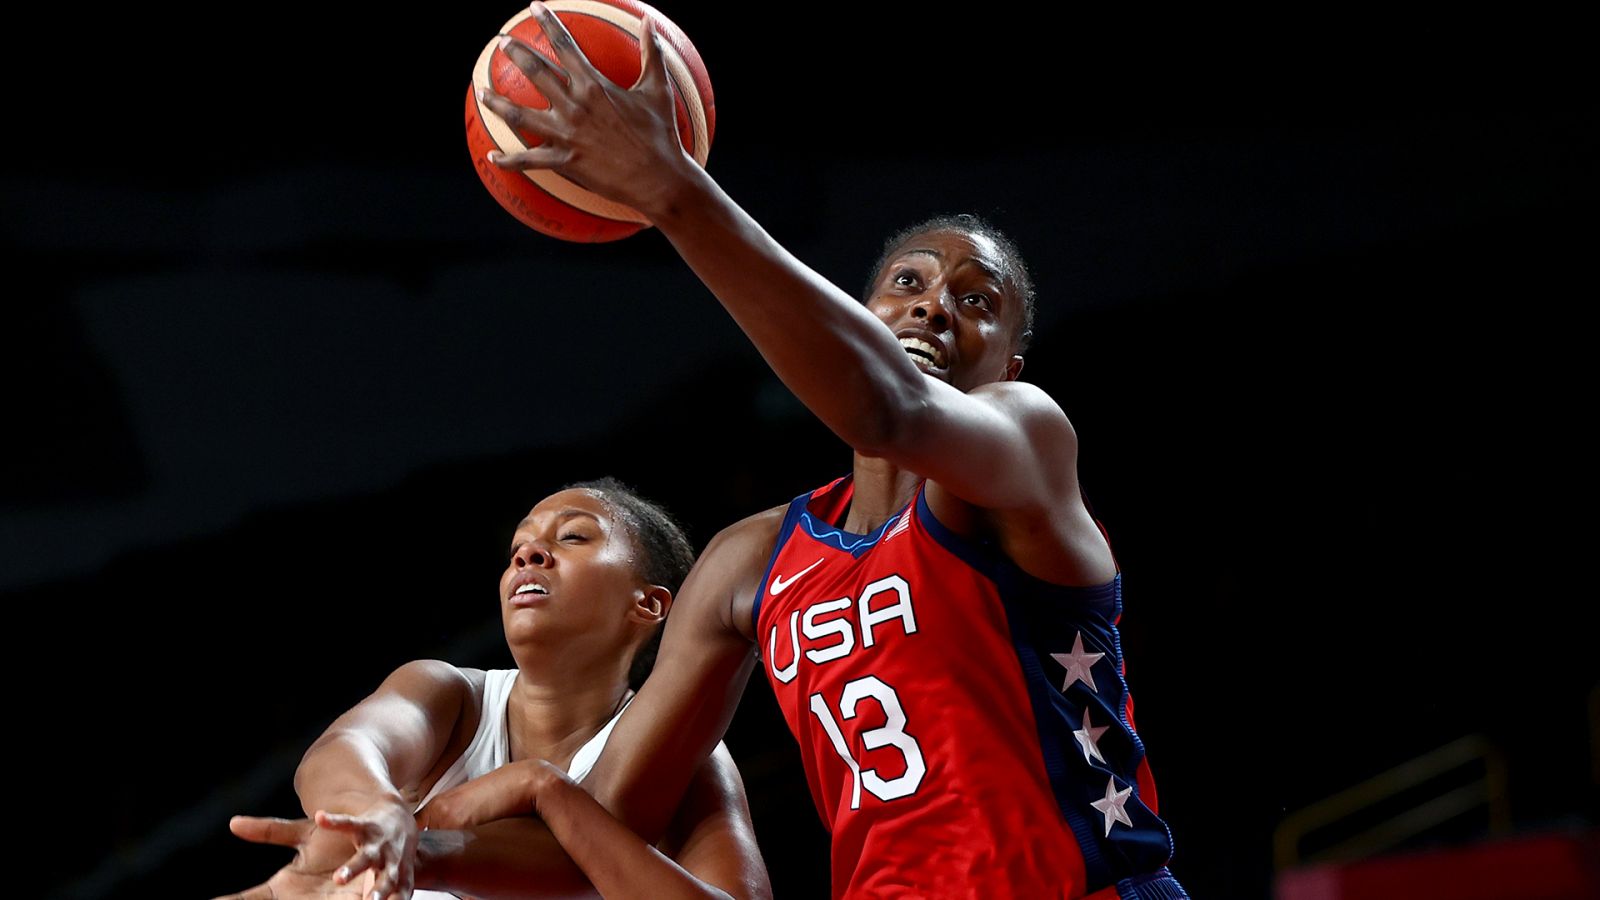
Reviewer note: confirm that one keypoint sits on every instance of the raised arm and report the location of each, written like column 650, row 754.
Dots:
column 992, row 447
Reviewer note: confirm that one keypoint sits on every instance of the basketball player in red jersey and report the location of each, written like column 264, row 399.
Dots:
column 939, row 626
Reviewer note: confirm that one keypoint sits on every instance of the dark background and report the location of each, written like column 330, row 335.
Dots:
column 281, row 378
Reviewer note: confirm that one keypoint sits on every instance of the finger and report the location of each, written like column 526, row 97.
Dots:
column 542, row 157
column 342, row 822
column 361, row 861
column 259, row 892
column 388, row 882
column 534, row 121
column 652, row 62
column 566, row 48
column 260, row 830
column 539, row 69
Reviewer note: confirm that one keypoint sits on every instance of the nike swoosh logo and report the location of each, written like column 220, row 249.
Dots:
column 779, row 583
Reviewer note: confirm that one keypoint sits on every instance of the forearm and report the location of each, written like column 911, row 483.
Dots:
column 676, row 721
column 503, row 860
column 617, row 862
column 837, row 357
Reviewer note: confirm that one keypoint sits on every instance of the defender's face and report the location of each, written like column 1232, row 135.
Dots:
column 570, row 570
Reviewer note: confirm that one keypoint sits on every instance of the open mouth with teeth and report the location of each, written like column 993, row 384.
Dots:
column 925, row 354
column 528, row 593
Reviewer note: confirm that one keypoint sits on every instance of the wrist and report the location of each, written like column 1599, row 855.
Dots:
column 544, row 783
column 437, row 852
column 681, row 193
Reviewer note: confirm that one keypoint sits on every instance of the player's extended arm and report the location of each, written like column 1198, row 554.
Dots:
column 385, row 743
column 710, row 847
column 684, row 707
column 351, row 779
column 711, row 837
column 1000, row 447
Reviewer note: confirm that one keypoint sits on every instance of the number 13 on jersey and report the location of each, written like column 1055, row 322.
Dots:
column 892, row 732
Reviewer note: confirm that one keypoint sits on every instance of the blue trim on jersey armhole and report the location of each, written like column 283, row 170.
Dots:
column 988, row 563
column 1006, row 574
column 797, row 506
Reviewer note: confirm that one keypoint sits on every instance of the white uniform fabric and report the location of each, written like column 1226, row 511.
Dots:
column 491, row 748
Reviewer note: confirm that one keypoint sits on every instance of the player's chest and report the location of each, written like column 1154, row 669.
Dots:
column 825, row 612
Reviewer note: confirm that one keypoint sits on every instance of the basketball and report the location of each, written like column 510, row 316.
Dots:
column 608, row 31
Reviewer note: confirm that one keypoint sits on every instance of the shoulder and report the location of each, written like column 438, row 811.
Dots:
column 433, row 673
column 435, row 684
column 1040, row 448
column 752, row 534
column 1027, row 404
column 735, row 561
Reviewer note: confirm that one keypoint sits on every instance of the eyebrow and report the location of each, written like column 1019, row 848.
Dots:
column 998, row 279
column 561, row 518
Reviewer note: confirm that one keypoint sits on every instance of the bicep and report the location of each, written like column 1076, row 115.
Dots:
column 712, row 837
column 408, row 721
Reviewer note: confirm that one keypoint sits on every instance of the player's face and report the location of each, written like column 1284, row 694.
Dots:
column 948, row 298
column 570, row 572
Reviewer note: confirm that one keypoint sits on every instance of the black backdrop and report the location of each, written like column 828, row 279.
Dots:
column 282, row 377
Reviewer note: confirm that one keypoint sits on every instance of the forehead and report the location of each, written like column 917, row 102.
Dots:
column 954, row 248
column 576, row 502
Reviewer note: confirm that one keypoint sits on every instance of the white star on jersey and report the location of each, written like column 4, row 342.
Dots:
column 1111, row 806
column 1087, row 737
column 1078, row 663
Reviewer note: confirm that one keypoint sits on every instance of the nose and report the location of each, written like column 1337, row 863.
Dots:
column 533, row 553
column 931, row 308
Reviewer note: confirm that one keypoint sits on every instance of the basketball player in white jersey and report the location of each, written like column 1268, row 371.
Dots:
column 589, row 579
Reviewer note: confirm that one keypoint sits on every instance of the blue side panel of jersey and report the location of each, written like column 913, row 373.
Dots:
column 1142, row 848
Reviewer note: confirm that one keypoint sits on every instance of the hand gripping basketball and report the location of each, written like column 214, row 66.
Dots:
column 624, row 144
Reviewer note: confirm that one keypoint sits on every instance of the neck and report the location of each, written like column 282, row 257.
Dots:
column 880, row 489
column 556, row 707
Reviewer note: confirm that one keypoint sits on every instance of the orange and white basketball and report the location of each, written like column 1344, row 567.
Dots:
column 608, row 31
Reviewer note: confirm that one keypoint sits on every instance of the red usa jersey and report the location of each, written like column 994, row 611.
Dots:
column 965, row 728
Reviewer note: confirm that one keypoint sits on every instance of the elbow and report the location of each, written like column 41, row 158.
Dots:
column 305, row 773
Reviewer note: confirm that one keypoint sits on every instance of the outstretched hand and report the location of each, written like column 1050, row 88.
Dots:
column 383, row 867
column 621, row 143
column 318, row 854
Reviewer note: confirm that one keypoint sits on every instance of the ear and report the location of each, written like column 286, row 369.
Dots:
column 1014, row 368
column 651, row 604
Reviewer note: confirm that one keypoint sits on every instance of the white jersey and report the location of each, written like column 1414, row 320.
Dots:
column 491, row 748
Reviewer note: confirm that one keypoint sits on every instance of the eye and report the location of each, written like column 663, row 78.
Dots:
column 906, row 279
column 980, row 301
column 574, row 536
